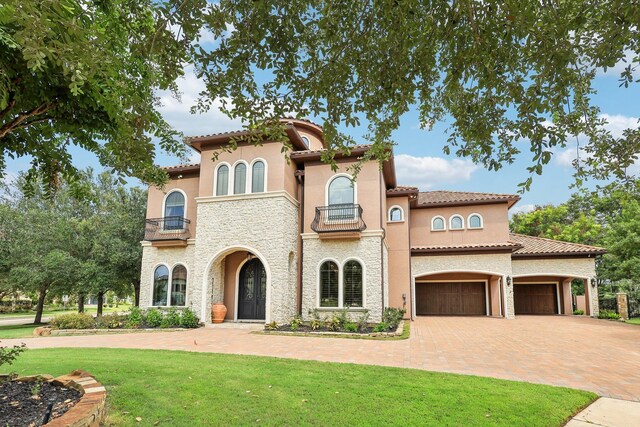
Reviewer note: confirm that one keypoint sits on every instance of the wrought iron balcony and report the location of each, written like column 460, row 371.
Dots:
column 167, row 228
column 337, row 218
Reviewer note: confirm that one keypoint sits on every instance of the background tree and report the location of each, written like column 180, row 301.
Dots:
column 512, row 75
column 84, row 72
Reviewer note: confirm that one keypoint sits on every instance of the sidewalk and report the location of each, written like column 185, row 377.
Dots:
column 608, row 412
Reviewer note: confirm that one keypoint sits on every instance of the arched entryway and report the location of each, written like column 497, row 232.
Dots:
column 252, row 291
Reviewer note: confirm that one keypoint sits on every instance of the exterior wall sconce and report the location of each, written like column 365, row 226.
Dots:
column 593, row 282
column 404, row 300
column 508, row 280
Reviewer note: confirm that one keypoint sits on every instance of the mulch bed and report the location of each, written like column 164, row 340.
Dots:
column 307, row 328
column 18, row 407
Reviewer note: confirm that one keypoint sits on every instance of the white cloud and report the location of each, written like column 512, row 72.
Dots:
column 177, row 111
column 425, row 172
column 522, row 209
column 618, row 67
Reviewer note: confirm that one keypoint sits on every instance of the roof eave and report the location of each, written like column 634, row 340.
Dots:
column 509, row 201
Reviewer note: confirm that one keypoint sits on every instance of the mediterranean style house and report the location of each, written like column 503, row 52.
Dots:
column 274, row 235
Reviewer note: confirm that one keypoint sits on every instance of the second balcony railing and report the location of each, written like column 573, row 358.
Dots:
column 336, row 218
column 167, row 228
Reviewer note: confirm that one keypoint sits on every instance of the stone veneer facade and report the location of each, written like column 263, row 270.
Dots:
column 367, row 250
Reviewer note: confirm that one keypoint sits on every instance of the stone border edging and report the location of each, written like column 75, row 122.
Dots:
column 89, row 411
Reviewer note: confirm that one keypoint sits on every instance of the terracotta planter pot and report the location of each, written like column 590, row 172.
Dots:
column 218, row 311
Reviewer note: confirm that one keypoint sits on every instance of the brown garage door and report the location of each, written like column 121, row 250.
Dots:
column 451, row 298
column 535, row 298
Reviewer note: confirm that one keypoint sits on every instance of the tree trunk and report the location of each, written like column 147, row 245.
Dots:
column 136, row 293
column 100, row 303
column 80, row 303
column 40, row 306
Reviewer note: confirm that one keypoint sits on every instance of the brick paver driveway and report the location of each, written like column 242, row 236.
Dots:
column 590, row 354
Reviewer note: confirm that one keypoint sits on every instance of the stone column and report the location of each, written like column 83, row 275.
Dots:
column 587, row 296
column 623, row 308
column 567, row 299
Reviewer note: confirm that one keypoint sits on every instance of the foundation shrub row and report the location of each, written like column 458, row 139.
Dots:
column 134, row 319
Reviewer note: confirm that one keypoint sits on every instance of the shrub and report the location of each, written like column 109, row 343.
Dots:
column 608, row 314
column 350, row 327
column 189, row 319
column 341, row 318
column 172, row 318
column 9, row 354
column 315, row 324
column 134, row 318
column 392, row 316
column 111, row 321
column 295, row 323
column 362, row 322
column 273, row 326
column 578, row 312
column 73, row 321
column 381, row 327
column 334, row 324
column 153, row 318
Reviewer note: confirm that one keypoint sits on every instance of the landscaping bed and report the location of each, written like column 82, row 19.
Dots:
column 24, row 402
column 365, row 332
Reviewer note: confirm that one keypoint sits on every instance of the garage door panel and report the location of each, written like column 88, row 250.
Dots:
column 535, row 298
column 451, row 298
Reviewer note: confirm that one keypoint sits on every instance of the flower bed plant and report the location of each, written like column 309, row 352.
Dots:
column 341, row 322
column 134, row 319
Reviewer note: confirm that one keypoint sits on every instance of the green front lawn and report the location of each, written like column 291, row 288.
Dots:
column 174, row 388
column 634, row 321
column 90, row 309
column 17, row 331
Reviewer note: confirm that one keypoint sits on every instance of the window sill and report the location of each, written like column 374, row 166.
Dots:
column 395, row 222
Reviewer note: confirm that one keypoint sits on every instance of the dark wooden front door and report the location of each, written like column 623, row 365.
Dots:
column 451, row 298
column 252, row 292
column 535, row 298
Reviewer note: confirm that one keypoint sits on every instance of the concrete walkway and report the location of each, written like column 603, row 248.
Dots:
column 607, row 412
column 590, row 354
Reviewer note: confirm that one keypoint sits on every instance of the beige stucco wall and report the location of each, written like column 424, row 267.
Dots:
column 153, row 256
column 189, row 185
column 399, row 270
column 265, row 224
column 580, row 268
column 490, row 264
column 318, row 174
column 495, row 228
column 366, row 249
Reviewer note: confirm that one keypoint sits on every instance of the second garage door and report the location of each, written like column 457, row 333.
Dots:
column 535, row 298
column 451, row 298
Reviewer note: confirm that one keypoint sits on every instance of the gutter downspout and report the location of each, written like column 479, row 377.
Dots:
column 299, row 175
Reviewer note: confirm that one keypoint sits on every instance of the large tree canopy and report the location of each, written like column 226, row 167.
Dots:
column 84, row 73
column 513, row 75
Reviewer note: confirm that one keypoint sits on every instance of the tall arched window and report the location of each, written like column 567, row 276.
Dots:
column 179, row 285
column 352, row 284
column 222, row 181
column 240, row 179
column 174, row 211
column 160, row 283
column 257, row 177
column 329, row 276
column 341, row 191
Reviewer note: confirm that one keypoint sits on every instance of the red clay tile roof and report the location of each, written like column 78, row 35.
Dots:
column 461, row 198
column 471, row 247
column 355, row 150
column 539, row 246
column 172, row 170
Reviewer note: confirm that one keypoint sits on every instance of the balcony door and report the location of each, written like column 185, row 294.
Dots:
column 252, row 291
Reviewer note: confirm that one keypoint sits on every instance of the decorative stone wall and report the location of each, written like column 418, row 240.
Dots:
column 265, row 224
column 90, row 409
column 366, row 249
column 580, row 268
column 623, row 306
column 494, row 264
column 170, row 256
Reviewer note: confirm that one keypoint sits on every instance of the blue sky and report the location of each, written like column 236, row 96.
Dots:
column 419, row 157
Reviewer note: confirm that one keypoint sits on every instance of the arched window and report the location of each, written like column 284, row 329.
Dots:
column 396, row 214
column 352, row 284
column 306, row 141
column 437, row 224
column 475, row 221
column 160, row 283
column 222, row 181
column 174, row 211
column 257, row 177
column 456, row 222
column 179, row 285
column 240, row 179
column 329, row 284
column 341, row 191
